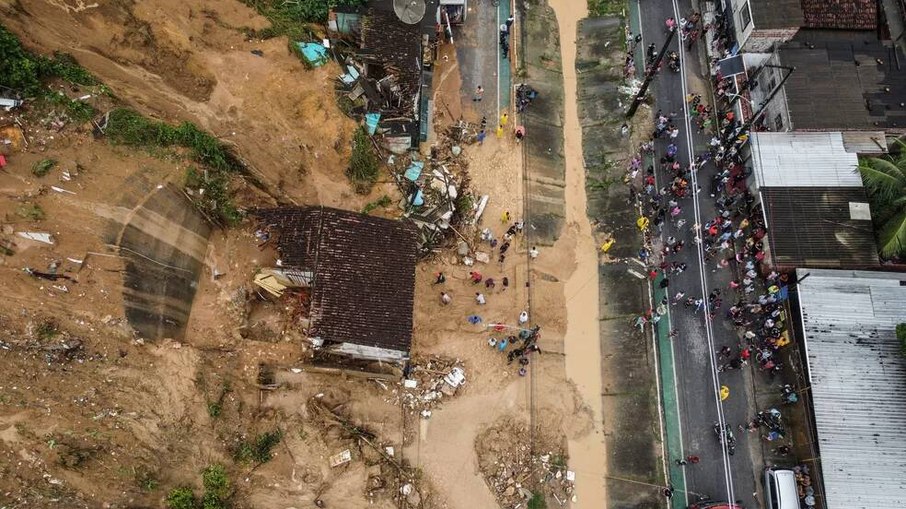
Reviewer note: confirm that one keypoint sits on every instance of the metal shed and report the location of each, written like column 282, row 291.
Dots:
column 858, row 382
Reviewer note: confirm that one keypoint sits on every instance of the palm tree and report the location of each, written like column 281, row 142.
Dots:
column 885, row 178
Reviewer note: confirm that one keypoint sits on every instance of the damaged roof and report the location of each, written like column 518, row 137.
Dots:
column 840, row 14
column 397, row 47
column 364, row 273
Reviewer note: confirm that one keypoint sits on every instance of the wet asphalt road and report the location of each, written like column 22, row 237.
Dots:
column 717, row 475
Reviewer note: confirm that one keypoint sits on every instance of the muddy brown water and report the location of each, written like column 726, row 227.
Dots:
column 582, row 343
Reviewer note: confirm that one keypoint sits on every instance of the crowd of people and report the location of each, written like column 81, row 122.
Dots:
column 516, row 340
column 732, row 240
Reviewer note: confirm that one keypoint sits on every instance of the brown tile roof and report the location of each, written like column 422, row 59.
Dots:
column 812, row 227
column 364, row 269
column 841, row 14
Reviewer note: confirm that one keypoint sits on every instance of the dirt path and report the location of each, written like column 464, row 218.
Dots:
column 582, row 345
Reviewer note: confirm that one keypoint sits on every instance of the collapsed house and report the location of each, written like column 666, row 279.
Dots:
column 387, row 79
column 360, row 274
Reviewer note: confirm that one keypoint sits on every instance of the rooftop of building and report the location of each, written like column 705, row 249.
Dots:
column 857, row 381
column 773, row 14
column 839, row 14
column 364, row 273
column 824, row 227
column 844, row 80
column 803, row 159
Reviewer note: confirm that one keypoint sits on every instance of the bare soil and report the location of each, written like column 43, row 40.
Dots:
column 92, row 415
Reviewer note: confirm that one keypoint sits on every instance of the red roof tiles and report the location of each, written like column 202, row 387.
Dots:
column 841, row 14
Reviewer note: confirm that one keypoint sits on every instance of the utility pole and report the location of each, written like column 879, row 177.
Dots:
column 652, row 70
column 745, row 127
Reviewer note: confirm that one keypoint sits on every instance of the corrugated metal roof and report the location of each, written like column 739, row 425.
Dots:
column 814, row 227
column 803, row 160
column 865, row 142
column 858, row 379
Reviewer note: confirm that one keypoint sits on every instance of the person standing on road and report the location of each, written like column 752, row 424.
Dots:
column 479, row 93
column 509, row 22
column 504, row 118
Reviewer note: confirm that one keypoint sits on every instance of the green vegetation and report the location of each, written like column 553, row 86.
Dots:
column 260, row 450
column 128, row 127
column 885, row 179
column 216, row 487
column 364, row 164
column 605, row 7
column 181, row 498
column 289, row 17
column 31, row 211
column 537, row 501
column 383, row 201
column 215, row 408
column 47, row 330
column 28, row 73
column 217, row 491
column 601, row 176
column 43, row 167
column 901, row 335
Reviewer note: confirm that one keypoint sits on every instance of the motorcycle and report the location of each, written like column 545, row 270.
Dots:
column 673, row 61
column 725, row 436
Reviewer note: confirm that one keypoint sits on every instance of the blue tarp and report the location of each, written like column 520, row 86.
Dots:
column 371, row 122
column 414, row 170
column 314, row 53
column 419, row 198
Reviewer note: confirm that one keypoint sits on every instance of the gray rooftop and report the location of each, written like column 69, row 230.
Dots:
column 858, row 383
column 772, row 14
column 844, row 80
column 803, row 159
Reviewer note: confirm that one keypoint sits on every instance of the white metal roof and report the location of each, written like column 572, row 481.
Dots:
column 858, row 381
column 798, row 159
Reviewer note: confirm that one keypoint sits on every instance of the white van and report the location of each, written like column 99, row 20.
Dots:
column 780, row 489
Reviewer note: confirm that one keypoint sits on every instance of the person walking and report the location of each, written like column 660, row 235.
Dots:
column 481, row 136
column 499, row 131
column 479, row 298
column 445, row 298
column 439, row 278
column 479, row 93
column 503, row 119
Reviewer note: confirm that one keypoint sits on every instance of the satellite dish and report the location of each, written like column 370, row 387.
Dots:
column 409, row 11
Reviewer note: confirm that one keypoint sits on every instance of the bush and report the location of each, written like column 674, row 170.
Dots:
column 383, row 201
column 31, row 211
column 537, row 502
column 216, row 486
column 260, row 450
column 363, row 165
column 181, row 498
column 25, row 72
column 43, row 167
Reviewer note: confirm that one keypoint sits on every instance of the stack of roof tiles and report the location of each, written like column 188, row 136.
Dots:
column 841, row 14
column 364, row 273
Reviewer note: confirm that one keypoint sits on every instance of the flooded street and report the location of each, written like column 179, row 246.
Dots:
column 582, row 345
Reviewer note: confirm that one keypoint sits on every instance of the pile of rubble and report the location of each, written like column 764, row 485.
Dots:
column 391, row 478
column 436, row 194
column 430, row 381
column 516, row 475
